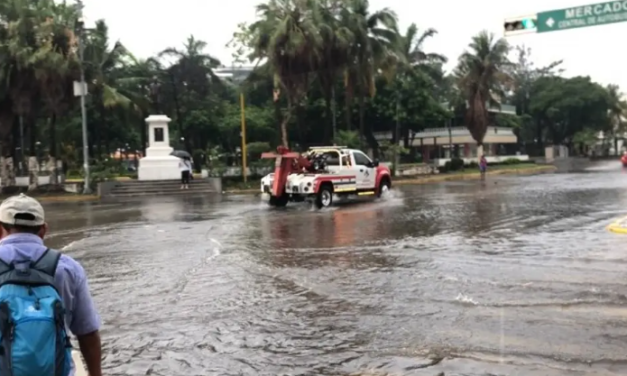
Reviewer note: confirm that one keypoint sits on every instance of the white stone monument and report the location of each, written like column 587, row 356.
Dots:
column 158, row 164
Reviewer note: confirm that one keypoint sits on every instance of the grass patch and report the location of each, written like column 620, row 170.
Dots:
column 237, row 184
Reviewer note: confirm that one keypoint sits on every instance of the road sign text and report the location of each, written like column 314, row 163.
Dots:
column 585, row 15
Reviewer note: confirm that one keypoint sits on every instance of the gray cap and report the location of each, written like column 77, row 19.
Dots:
column 21, row 204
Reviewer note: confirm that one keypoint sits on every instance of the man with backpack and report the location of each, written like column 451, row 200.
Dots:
column 42, row 294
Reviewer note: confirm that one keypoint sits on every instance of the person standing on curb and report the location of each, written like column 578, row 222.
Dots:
column 42, row 294
column 186, row 170
column 483, row 166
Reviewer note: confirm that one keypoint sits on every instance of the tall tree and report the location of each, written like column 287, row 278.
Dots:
column 286, row 35
column 374, row 48
column 617, row 114
column 482, row 78
column 103, row 65
column 332, row 57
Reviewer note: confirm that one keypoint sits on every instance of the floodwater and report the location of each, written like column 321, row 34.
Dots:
column 516, row 276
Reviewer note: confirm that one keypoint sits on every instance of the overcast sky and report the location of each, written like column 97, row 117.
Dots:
column 148, row 26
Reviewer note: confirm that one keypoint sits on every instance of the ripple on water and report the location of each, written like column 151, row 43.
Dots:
column 517, row 276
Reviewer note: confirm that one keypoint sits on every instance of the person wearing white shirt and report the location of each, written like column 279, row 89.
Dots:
column 186, row 170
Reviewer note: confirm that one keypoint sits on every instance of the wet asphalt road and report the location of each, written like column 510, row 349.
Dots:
column 514, row 276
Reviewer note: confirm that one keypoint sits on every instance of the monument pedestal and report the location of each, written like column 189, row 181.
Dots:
column 158, row 164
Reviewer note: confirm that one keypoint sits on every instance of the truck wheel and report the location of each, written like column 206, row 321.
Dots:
column 384, row 187
column 324, row 198
column 279, row 201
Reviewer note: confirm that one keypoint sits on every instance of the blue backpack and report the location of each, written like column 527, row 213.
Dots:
column 33, row 339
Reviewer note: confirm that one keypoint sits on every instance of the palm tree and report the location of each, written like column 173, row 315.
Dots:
column 7, row 67
column 286, row 35
column 412, row 52
column 56, row 68
column 374, row 49
column 135, row 83
column 617, row 113
column 414, row 60
column 333, row 56
column 481, row 77
column 103, row 69
column 191, row 75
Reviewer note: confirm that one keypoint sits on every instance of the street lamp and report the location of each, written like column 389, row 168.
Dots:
column 82, row 91
column 228, row 75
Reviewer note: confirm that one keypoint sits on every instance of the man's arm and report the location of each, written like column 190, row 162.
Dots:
column 91, row 348
column 86, row 324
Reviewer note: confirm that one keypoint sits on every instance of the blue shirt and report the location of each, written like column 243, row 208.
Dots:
column 70, row 280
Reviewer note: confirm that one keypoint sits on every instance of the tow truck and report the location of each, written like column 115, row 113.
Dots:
column 322, row 173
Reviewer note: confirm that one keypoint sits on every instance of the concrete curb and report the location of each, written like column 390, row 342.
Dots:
column 77, row 198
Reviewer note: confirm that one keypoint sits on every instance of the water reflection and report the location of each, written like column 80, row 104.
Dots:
column 474, row 273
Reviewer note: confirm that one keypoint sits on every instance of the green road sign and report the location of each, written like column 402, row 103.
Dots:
column 583, row 16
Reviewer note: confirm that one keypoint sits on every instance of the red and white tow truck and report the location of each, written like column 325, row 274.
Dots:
column 321, row 173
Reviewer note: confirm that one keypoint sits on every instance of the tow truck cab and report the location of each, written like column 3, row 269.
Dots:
column 321, row 173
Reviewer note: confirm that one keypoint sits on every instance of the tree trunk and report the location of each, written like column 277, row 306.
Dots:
column 348, row 114
column 278, row 119
column 143, row 135
column 33, row 170
column 328, row 139
column 333, row 111
column 286, row 119
column 53, row 150
column 104, row 133
column 15, row 150
column 362, row 108
column 302, row 139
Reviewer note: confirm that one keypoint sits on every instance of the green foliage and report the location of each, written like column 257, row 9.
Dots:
column 389, row 150
column 330, row 71
column 255, row 149
column 511, row 161
column 586, row 137
column 455, row 164
column 349, row 139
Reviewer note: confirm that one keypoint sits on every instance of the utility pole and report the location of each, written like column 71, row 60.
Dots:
column 397, row 132
column 83, row 93
column 334, row 121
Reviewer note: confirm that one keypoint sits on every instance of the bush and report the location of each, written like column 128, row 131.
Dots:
column 511, row 161
column 457, row 164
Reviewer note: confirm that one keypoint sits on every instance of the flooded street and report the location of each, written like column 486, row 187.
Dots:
column 514, row 276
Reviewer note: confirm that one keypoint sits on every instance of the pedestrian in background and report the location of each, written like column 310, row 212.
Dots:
column 483, row 166
column 186, row 169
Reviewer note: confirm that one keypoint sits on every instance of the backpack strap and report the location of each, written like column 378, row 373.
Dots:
column 40, row 272
column 4, row 267
column 47, row 263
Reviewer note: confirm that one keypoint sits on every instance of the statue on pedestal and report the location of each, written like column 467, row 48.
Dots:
column 155, row 96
